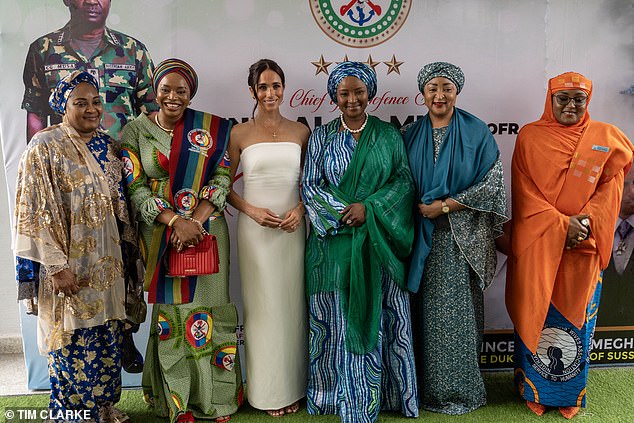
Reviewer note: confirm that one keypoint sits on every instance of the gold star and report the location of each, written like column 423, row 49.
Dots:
column 371, row 62
column 321, row 65
column 345, row 59
column 393, row 65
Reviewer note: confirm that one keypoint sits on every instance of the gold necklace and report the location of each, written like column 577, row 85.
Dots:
column 273, row 131
column 169, row 131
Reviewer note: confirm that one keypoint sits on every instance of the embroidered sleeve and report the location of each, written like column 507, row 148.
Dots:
column 217, row 189
column 145, row 204
column 323, row 209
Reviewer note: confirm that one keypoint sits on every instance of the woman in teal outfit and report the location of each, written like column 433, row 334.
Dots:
column 462, row 205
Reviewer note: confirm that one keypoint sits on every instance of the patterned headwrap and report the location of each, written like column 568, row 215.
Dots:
column 362, row 71
column 443, row 69
column 180, row 67
column 566, row 81
column 570, row 81
column 65, row 86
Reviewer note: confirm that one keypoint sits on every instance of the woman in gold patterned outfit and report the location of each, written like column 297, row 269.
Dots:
column 69, row 208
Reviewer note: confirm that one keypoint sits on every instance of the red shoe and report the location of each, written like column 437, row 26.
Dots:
column 536, row 408
column 569, row 412
column 187, row 417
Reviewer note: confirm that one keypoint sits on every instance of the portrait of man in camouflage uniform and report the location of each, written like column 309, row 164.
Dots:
column 120, row 63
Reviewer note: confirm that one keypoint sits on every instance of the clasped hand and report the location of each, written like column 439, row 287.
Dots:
column 267, row 218
column 577, row 231
column 64, row 282
column 186, row 233
column 430, row 211
column 353, row 215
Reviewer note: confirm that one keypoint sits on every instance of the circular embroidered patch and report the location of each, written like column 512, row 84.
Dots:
column 225, row 357
column 360, row 23
column 185, row 200
column 198, row 329
column 164, row 327
column 131, row 166
column 200, row 138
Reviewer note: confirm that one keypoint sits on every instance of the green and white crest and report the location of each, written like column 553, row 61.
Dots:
column 360, row 23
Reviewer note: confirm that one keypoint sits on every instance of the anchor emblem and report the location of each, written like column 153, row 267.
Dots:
column 361, row 17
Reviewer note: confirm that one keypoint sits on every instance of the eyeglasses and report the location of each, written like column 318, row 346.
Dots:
column 564, row 100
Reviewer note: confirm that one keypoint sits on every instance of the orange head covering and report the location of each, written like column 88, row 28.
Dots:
column 566, row 81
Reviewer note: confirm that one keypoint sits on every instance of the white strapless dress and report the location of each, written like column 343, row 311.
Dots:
column 272, row 279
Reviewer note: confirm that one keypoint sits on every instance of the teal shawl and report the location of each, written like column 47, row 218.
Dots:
column 353, row 260
column 467, row 153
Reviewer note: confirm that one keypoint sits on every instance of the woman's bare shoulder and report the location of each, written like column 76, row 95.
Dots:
column 299, row 129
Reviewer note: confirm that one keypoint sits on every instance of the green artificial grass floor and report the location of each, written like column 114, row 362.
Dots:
column 610, row 399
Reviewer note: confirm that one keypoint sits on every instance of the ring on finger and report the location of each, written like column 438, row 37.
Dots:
column 349, row 221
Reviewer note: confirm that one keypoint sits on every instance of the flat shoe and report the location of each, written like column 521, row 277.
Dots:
column 569, row 412
column 536, row 408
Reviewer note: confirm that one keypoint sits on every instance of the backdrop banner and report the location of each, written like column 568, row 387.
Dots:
column 507, row 50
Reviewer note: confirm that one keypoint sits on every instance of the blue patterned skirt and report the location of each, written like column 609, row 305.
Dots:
column 557, row 374
column 354, row 386
column 86, row 373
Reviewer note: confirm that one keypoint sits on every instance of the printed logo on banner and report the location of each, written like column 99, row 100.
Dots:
column 360, row 23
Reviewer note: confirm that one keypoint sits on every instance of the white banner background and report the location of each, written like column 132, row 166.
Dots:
column 507, row 50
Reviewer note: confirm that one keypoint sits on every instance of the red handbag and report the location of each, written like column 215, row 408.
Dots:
column 193, row 261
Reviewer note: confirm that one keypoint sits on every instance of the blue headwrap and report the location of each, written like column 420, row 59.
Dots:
column 66, row 85
column 444, row 69
column 362, row 71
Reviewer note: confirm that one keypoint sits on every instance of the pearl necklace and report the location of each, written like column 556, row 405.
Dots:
column 169, row 131
column 353, row 131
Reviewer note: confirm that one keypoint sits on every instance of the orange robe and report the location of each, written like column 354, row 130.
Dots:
column 560, row 171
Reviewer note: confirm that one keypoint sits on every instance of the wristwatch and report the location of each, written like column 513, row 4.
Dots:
column 445, row 207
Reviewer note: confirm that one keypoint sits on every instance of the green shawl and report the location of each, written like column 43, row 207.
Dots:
column 353, row 260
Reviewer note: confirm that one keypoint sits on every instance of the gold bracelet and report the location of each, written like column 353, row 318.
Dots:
column 200, row 226
column 172, row 220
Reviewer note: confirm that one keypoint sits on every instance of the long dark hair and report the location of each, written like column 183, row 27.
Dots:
column 255, row 70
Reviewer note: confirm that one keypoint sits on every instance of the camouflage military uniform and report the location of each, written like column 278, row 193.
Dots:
column 121, row 64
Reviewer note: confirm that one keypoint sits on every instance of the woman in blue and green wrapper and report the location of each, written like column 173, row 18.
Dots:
column 69, row 211
column 461, row 208
column 358, row 192
column 177, row 174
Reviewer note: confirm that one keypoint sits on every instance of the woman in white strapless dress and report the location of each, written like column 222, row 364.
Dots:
column 271, row 236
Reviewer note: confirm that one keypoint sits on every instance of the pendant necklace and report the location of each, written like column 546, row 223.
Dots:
column 273, row 131
column 353, row 131
column 169, row 131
